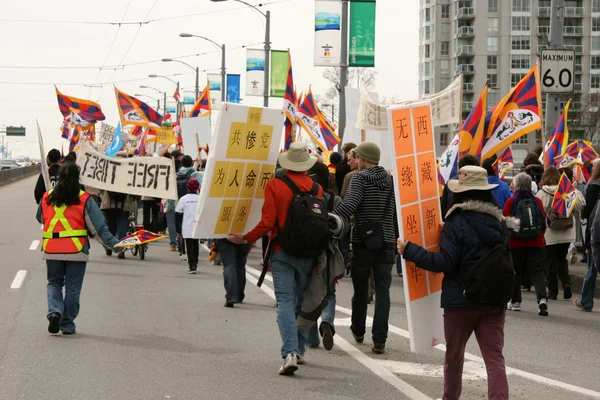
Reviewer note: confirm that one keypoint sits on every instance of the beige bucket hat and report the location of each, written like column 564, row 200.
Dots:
column 297, row 158
column 470, row 177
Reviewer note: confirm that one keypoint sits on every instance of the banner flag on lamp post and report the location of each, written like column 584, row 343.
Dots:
column 279, row 72
column 233, row 88
column 214, row 80
column 328, row 33
column 361, row 51
column 255, row 71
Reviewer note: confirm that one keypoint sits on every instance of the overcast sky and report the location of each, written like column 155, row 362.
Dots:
column 40, row 45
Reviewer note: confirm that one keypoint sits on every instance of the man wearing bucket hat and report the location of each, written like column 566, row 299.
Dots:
column 370, row 198
column 291, row 273
column 473, row 228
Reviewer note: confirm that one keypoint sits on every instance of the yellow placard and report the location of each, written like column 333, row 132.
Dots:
column 225, row 217
column 250, row 180
column 240, row 217
column 165, row 135
column 252, row 133
column 266, row 174
column 264, row 142
column 219, row 180
column 236, row 140
column 235, row 179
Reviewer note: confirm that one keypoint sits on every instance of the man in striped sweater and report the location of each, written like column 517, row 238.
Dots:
column 370, row 198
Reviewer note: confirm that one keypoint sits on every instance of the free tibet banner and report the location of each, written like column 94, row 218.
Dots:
column 242, row 159
column 419, row 217
column 142, row 176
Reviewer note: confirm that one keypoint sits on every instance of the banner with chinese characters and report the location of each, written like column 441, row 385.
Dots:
column 214, row 80
column 419, row 217
column 255, row 72
column 242, row 158
column 328, row 34
column 361, row 51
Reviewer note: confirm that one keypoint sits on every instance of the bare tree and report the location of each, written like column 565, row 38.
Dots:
column 587, row 122
column 367, row 75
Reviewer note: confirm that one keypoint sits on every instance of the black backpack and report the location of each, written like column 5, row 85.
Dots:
column 306, row 229
column 490, row 280
column 182, row 180
column 531, row 217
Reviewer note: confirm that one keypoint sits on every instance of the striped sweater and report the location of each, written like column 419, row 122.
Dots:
column 368, row 194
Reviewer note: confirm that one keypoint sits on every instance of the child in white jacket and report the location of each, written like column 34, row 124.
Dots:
column 186, row 214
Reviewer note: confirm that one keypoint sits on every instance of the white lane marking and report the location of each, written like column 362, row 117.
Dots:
column 19, row 278
column 34, row 245
column 472, row 357
column 375, row 367
column 472, row 371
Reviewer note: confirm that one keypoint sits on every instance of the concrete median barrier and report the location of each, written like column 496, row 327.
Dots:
column 12, row 175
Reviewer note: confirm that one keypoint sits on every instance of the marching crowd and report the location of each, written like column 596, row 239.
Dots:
column 321, row 220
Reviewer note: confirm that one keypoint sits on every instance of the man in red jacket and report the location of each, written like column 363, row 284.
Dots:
column 291, row 274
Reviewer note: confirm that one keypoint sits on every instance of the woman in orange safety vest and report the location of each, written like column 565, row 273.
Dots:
column 68, row 215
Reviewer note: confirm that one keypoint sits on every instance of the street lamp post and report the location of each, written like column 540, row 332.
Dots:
column 161, row 92
column 223, row 69
column 150, row 97
column 332, row 111
column 267, row 16
column 194, row 68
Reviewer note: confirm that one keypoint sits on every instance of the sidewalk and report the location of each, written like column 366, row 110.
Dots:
column 578, row 272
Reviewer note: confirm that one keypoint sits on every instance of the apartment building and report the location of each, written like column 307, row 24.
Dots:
column 499, row 41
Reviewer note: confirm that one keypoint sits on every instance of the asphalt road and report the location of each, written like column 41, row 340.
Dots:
column 148, row 330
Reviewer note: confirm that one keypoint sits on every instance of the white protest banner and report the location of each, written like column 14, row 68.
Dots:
column 142, row 176
column 242, row 159
column 107, row 133
column 255, row 72
column 328, row 33
column 43, row 162
column 195, row 132
column 445, row 107
column 419, row 218
column 214, row 80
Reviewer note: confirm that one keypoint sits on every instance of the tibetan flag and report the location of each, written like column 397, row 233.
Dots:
column 141, row 149
column 471, row 132
column 289, row 99
column 565, row 198
column 202, row 107
column 65, row 129
column 569, row 157
column 517, row 114
column 177, row 95
column 136, row 131
column 79, row 112
column 586, row 152
column 289, row 133
column 139, row 237
column 309, row 117
column 505, row 162
column 448, row 164
column 75, row 139
column 135, row 112
column 557, row 142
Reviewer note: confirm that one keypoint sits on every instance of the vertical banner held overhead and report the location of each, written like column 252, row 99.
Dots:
column 214, row 80
column 279, row 70
column 255, row 72
column 328, row 33
column 361, row 51
column 233, row 88
column 419, row 217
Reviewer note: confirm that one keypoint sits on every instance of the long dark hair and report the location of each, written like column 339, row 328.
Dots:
column 483, row 196
column 67, row 188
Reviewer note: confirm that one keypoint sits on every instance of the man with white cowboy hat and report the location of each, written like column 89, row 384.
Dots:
column 291, row 273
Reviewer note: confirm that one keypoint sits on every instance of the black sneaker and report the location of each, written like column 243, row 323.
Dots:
column 53, row 323
column 552, row 296
column 378, row 348
column 327, row 334
column 192, row 271
column 108, row 252
column 568, row 292
column 359, row 339
column 121, row 256
column 68, row 332
column 543, row 308
column 229, row 304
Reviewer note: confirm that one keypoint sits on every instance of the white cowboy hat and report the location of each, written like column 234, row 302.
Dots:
column 297, row 158
column 470, row 177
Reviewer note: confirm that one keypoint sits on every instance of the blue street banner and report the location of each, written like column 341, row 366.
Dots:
column 233, row 88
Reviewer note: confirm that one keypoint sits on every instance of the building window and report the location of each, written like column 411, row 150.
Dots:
column 445, row 50
column 595, row 5
column 444, row 66
column 520, row 62
column 521, row 24
column 426, row 51
column 427, row 31
column 595, row 43
column 492, row 62
column 596, row 24
column 492, row 25
column 515, row 79
column 522, row 140
column 521, row 5
column 426, row 87
column 595, row 81
column 427, row 15
column 492, row 43
column 445, row 30
column 492, row 6
column 446, row 11
column 492, row 99
column 595, row 61
column 444, row 82
column 426, row 71
column 521, row 43
column 443, row 138
column 492, row 80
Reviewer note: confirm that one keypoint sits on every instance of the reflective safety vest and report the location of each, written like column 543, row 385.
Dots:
column 64, row 226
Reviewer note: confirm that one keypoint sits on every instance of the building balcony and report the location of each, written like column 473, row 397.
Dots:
column 578, row 49
column 578, row 68
column 467, row 106
column 468, row 87
column 467, row 69
column 573, row 30
column 543, row 30
column 465, row 32
column 574, row 12
column 465, row 50
column 465, row 13
column 544, row 12
column 578, row 87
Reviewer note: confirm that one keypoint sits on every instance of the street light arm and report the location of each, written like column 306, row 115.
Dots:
column 251, row 6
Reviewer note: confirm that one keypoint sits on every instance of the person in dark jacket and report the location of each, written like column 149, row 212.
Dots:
column 534, row 168
column 343, row 167
column 473, row 227
column 502, row 191
column 446, row 201
column 53, row 162
column 592, row 193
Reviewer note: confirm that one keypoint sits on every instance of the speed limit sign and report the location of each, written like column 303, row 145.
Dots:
column 557, row 71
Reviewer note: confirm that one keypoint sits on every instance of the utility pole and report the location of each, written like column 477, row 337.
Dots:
column 267, row 57
column 165, row 104
column 557, row 13
column 343, row 70
column 223, row 74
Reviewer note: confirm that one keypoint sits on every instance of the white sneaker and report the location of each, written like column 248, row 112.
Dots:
column 183, row 257
column 290, row 365
column 573, row 254
column 514, row 306
column 299, row 360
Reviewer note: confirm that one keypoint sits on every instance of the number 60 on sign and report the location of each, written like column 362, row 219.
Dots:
column 557, row 71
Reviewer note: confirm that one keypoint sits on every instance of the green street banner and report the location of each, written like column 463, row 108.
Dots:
column 361, row 46
column 279, row 70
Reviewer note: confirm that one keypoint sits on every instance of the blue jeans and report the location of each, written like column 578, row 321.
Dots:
column 234, row 258
column 327, row 315
column 589, row 282
column 290, row 277
column 171, row 227
column 70, row 275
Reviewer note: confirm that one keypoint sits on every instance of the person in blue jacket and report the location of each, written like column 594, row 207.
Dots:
column 502, row 191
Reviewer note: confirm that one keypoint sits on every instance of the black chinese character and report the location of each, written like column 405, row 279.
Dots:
column 235, row 180
column 264, row 140
column 426, row 172
column 401, row 125
column 220, row 176
column 415, row 273
column 254, row 117
column 411, row 225
column 430, row 217
column 250, row 140
column 265, row 178
column 422, row 125
column 242, row 214
column 226, row 217
column 237, row 136
column 407, row 176
column 250, row 179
